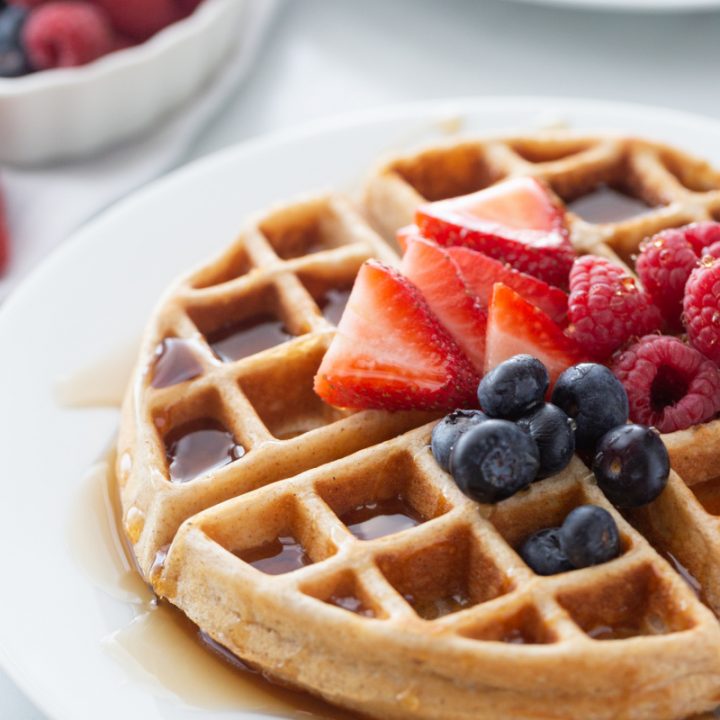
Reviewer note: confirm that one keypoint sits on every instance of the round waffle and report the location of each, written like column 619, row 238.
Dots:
column 271, row 548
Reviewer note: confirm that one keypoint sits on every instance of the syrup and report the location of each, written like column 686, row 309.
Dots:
column 606, row 204
column 247, row 337
column 96, row 542
column 101, row 383
column 277, row 557
column 379, row 518
column 199, row 446
column 160, row 647
column 333, row 302
column 175, row 362
column 435, row 608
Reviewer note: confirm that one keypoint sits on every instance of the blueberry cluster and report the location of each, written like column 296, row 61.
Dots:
column 588, row 536
column 518, row 438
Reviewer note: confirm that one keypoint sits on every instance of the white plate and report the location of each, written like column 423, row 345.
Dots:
column 634, row 5
column 92, row 297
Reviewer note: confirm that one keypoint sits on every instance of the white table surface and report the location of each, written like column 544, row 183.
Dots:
column 325, row 57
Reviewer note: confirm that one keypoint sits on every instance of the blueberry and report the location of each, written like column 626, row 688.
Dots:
column 591, row 395
column 513, row 387
column 554, row 433
column 446, row 433
column 13, row 60
column 494, row 460
column 589, row 536
column 631, row 465
column 543, row 553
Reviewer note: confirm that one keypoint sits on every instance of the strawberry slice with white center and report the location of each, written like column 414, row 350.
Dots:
column 517, row 221
column 390, row 351
column 431, row 269
column 516, row 327
column 481, row 272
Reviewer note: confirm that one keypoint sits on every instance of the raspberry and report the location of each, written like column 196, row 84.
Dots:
column 607, row 307
column 666, row 261
column 701, row 308
column 669, row 384
column 701, row 235
column 139, row 19
column 664, row 265
column 67, row 33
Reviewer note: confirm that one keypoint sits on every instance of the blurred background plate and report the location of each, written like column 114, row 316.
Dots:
column 89, row 302
column 634, row 5
column 69, row 113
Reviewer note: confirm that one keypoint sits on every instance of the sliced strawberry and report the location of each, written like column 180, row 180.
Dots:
column 4, row 238
column 516, row 221
column 432, row 271
column 390, row 351
column 481, row 272
column 515, row 326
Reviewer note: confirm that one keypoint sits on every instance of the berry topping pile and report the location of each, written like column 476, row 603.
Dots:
column 490, row 271
column 45, row 34
column 588, row 536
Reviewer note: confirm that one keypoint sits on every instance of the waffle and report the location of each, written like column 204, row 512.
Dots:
column 440, row 620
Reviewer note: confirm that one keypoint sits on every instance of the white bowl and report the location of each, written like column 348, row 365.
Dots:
column 69, row 113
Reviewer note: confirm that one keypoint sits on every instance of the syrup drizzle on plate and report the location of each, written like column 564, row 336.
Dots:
column 160, row 647
column 101, row 383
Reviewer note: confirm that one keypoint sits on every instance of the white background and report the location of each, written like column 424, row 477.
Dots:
column 329, row 56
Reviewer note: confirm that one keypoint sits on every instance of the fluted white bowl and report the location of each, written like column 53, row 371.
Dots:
column 69, row 113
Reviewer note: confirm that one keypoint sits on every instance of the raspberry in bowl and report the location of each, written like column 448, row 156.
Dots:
column 79, row 76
